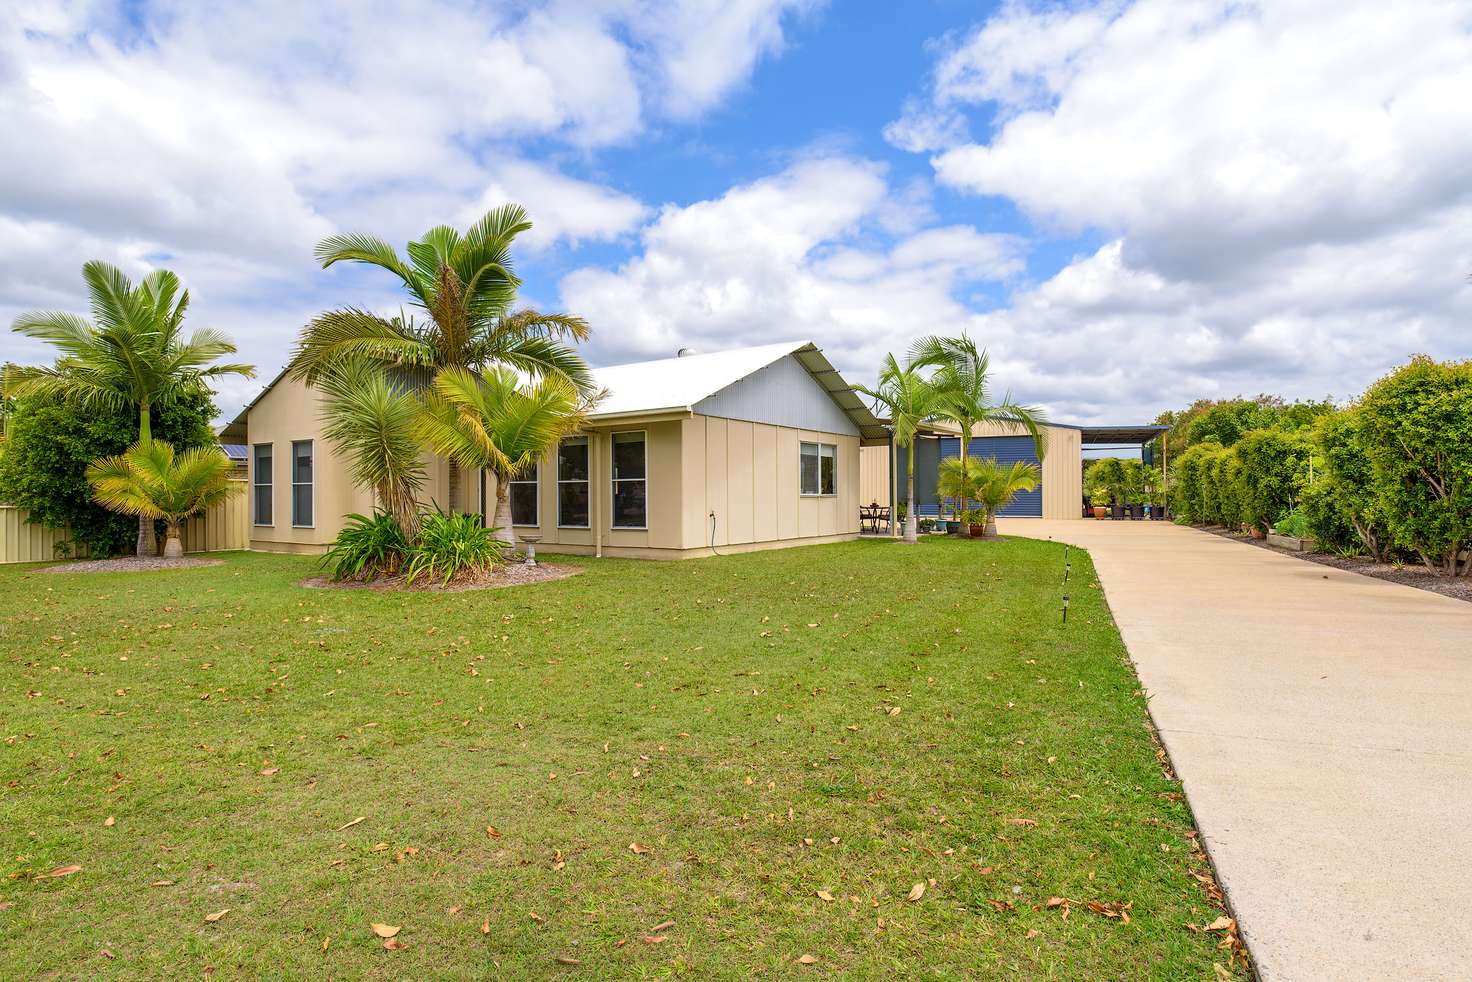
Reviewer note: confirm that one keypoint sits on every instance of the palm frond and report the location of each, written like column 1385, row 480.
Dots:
column 350, row 332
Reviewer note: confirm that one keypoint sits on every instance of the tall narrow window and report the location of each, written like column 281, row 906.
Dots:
column 301, row 483
column 261, row 483
column 525, row 509
column 817, row 472
column 572, row 482
column 630, row 480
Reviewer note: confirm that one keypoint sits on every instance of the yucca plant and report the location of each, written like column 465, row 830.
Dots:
column 499, row 423
column 367, row 548
column 151, row 481
column 452, row 547
column 370, row 418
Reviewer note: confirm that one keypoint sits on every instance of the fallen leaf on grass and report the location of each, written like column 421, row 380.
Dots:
column 1111, row 909
column 893, row 711
column 537, row 917
column 639, row 850
column 1032, row 932
column 215, row 917
column 268, row 771
column 567, row 960
column 455, row 909
column 106, row 954
column 1001, row 906
column 493, row 832
column 653, row 939
column 807, row 960
column 485, row 927
column 386, row 930
column 394, row 944
column 825, row 896
column 162, row 883
column 1022, row 821
column 662, row 926
column 62, row 871
column 110, row 822
column 916, row 892
column 360, row 818
column 326, row 943
column 1222, row 974
column 1223, row 923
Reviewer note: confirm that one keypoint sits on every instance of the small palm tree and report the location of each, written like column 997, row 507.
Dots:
column 909, row 399
column 499, row 423
column 151, row 481
column 135, row 355
column 464, row 289
column 371, row 420
column 963, row 376
column 997, row 484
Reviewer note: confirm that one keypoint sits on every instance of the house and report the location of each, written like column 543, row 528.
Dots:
column 753, row 448
column 1059, row 493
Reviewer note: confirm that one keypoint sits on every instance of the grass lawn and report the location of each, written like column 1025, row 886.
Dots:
column 772, row 730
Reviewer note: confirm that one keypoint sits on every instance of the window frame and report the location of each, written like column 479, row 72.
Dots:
column 256, row 485
column 585, row 481
column 614, row 482
column 536, row 483
column 311, row 485
column 819, row 493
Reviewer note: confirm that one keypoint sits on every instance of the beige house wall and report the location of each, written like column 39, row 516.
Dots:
column 874, row 480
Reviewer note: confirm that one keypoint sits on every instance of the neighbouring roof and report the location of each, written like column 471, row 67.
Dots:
column 677, row 384
column 235, row 451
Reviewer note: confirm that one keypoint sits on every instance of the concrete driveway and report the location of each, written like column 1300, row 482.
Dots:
column 1322, row 724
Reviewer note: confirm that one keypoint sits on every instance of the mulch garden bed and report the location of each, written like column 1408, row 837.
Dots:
column 1414, row 575
column 512, row 574
column 130, row 564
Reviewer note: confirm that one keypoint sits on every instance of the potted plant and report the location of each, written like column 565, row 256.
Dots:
column 1100, row 500
column 973, row 520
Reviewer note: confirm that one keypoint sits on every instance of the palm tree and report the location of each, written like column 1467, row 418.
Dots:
column 135, row 355
column 371, row 420
column 963, row 376
column 997, row 484
column 909, row 399
column 463, row 289
column 497, row 422
column 153, row 482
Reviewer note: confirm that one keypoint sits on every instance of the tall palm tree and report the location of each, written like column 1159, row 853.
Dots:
column 497, row 422
column 371, row 420
column 462, row 290
column 134, row 356
column 963, row 376
column 150, row 480
column 910, row 399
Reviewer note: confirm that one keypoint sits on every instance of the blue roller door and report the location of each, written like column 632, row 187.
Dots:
column 1006, row 449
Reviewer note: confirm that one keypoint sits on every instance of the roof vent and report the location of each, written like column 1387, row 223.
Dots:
column 684, row 352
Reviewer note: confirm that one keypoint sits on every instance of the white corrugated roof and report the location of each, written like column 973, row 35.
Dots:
column 679, row 383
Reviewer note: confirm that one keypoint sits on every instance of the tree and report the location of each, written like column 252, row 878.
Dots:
column 497, row 422
column 1340, row 502
column 910, row 399
column 1416, row 424
column 371, row 420
column 1273, row 472
column 997, row 484
column 43, row 462
column 463, row 288
column 152, row 481
column 963, row 380
column 134, row 356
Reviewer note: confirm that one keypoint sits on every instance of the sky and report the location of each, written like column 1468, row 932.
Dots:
column 1132, row 205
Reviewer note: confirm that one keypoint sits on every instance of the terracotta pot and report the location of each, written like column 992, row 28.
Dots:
column 977, row 531
column 1101, row 511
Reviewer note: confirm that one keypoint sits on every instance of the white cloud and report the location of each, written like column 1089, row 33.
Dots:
column 1283, row 187
column 800, row 254
column 566, row 209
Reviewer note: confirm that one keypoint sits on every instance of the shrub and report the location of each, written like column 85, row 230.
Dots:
column 1417, row 434
column 1292, row 523
column 1340, row 503
column 43, row 461
column 1188, row 477
column 367, row 548
column 453, row 547
column 1271, row 469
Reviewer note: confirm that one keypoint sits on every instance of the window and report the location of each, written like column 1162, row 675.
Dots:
column 301, row 483
column 630, row 481
column 572, row 482
column 261, row 483
column 818, row 469
column 524, row 502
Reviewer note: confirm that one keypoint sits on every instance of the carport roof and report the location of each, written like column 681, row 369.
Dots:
column 1120, row 434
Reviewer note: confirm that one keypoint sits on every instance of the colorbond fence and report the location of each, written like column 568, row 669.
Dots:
column 221, row 528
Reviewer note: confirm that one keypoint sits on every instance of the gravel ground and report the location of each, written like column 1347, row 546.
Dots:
column 1416, row 575
column 129, row 564
column 514, row 574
